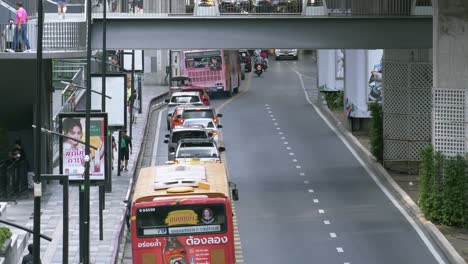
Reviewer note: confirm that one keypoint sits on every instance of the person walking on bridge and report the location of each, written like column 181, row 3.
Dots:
column 21, row 27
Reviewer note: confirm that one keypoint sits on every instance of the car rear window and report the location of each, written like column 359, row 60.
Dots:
column 176, row 136
column 202, row 113
column 185, row 99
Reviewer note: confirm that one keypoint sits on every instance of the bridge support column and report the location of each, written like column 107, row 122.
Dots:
column 450, row 92
column 330, row 69
column 407, row 84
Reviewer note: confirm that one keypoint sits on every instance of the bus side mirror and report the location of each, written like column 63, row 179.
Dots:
column 235, row 194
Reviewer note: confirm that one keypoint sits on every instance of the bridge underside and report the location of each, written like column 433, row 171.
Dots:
column 264, row 32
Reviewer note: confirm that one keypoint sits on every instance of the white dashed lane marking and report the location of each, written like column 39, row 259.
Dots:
column 316, row 201
column 340, row 250
column 278, row 128
column 302, row 174
column 321, row 211
column 288, row 147
column 306, row 182
column 326, row 222
column 285, row 143
column 280, row 133
column 298, row 167
column 333, row 235
column 272, row 115
column 294, row 160
column 311, row 190
column 291, row 154
column 275, row 124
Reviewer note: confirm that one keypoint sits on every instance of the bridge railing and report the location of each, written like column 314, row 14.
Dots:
column 57, row 36
column 211, row 8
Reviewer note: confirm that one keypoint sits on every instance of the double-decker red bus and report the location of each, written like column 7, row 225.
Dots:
column 181, row 214
column 215, row 70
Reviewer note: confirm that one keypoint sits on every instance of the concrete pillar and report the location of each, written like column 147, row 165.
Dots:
column 407, row 82
column 331, row 69
column 450, row 92
column 155, row 62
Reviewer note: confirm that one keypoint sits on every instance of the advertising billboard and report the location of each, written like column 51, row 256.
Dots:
column 116, row 105
column 72, row 152
column 127, row 60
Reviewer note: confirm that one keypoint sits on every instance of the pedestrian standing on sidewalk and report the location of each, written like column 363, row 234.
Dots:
column 125, row 150
column 29, row 259
column 21, row 27
column 61, row 8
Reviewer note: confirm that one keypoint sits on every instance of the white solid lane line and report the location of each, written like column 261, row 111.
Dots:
column 156, row 140
column 376, row 180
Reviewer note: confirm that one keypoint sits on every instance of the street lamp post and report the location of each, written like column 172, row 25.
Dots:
column 37, row 138
column 85, row 193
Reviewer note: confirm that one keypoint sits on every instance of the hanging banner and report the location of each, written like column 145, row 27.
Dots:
column 72, row 152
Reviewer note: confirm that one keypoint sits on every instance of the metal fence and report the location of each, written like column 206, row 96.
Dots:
column 269, row 7
column 58, row 36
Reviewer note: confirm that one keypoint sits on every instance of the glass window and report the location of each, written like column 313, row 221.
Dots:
column 197, row 152
column 176, row 136
column 202, row 113
column 185, row 99
column 186, row 219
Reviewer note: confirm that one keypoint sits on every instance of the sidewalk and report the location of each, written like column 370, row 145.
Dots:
column 51, row 206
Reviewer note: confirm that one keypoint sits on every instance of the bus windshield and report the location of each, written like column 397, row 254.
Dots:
column 203, row 59
column 188, row 219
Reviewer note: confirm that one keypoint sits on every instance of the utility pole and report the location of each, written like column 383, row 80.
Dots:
column 37, row 138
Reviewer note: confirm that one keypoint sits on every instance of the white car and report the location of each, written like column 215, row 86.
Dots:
column 208, row 124
column 286, row 53
column 195, row 151
column 181, row 98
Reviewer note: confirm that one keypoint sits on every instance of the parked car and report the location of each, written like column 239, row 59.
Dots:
column 184, row 132
column 181, row 98
column 197, row 151
column 286, row 53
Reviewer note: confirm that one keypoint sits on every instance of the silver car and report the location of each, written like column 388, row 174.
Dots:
column 184, row 132
column 196, row 151
column 286, row 53
column 181, row 98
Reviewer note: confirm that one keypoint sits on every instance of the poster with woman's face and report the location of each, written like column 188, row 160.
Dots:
column 73, row 152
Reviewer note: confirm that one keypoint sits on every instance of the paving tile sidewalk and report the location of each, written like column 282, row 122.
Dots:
column 51, row 213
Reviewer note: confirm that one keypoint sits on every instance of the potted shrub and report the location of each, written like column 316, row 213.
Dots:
column 5, row 241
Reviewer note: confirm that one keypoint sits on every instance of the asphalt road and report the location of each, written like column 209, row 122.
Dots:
column 304, row 198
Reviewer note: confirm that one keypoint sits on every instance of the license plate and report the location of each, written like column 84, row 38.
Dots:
column 195, row 161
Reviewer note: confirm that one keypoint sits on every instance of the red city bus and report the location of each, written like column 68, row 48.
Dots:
column 215, row 70
column 181, row 214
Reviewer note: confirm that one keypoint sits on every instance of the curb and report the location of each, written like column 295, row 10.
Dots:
column 118, row 238
column 444, row 245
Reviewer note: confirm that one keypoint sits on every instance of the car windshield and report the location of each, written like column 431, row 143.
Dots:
column 200, row 113
column 176, row 136
column 200, row 92
column 185, row 99
column 197, row 152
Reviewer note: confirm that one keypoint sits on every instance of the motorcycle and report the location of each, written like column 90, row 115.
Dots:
column 258, row 69
column 247, row 65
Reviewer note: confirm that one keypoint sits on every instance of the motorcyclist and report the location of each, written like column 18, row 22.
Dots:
column 259, row 60
column 265, row 60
